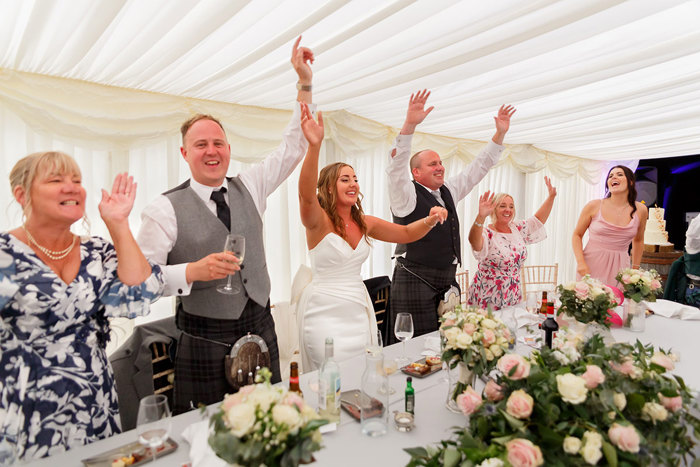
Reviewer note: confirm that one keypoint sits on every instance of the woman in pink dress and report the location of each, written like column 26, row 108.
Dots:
column 612, row 223
column 501, row 248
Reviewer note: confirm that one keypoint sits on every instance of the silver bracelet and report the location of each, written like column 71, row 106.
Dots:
column 477, row 224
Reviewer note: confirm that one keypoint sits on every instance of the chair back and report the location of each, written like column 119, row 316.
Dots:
column 379, row 289
column 462, row 278
column 539, row 278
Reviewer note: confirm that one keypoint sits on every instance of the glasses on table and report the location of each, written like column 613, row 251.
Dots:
column 153, row 422
column 403, row 330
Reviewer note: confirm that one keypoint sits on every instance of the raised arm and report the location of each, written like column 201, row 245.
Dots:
column 312, row 214
column 302, row 57
column 132, row 267
column 543, row 212
column 502, row 121
column 396, row 233
column 486, row 207
column 584, row 221
column 638, row 241
column 416, row 112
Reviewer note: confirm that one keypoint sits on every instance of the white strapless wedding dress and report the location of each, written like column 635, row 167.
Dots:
column 335, row 303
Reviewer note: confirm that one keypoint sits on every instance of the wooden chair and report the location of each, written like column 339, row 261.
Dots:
column 163, row 369
column 379, row 289
column 463, row 281
column 539, row 278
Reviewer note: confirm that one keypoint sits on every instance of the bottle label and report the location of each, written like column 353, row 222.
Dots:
column 294, row 380
column 410, row 402
column 336, row 395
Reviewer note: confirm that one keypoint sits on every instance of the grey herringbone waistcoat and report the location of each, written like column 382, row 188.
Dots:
column 200, row 232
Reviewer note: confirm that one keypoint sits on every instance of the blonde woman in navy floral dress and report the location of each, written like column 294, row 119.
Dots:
column 501, row 248
column 56, row 292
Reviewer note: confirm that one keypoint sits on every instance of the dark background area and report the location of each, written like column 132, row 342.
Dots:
column 677, row 181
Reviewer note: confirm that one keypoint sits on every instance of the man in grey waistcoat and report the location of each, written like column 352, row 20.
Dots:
column 426, row 269
column 184, row 231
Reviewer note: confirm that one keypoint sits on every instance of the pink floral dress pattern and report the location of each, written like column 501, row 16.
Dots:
column 497, row 279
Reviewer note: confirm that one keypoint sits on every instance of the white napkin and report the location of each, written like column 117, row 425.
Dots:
column 669, row 309
column 521, row 315
column 431, row 346
column 201, row 454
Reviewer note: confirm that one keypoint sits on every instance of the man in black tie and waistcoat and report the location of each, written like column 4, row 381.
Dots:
column 426, row 269
column 184, row 231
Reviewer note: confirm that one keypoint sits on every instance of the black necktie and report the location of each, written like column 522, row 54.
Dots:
column 222, row 210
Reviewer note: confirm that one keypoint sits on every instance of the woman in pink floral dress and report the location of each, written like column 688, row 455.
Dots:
column 501, row 247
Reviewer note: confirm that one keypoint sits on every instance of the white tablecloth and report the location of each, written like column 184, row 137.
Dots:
column 348, row 447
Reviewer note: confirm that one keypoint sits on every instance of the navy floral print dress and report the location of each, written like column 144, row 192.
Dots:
column 56, row 384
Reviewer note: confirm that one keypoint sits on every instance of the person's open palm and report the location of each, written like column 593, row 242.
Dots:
column 502, row 120
column 417, row 112
column 486, row 204
column 313, row 131
column 116, row 206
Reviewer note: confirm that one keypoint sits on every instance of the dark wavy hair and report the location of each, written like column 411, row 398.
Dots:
column 631, row 188
column 328, row 196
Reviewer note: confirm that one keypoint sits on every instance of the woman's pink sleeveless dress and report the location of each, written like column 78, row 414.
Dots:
column 607, row 249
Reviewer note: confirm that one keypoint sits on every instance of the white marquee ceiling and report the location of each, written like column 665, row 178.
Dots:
column 595, row 79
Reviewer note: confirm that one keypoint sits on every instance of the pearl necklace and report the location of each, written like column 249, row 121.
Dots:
column 54, row 255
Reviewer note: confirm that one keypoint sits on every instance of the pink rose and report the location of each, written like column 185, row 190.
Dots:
column 593, row 376
column 625, row 437
column 581, row 291
column 520, row 404
column 626, row 278
column 671, row 403
column 469, row 401
column 509, row 361
column 448, row 322
column 522, row 453
column 506, row 334
column 661, row 359
column 230, row 400
column 627, row 368
column 493, row 391
column 469, row 328
column 292, row 398
column 489, row 337
column 655, row 284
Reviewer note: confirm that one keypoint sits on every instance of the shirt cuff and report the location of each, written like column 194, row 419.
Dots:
column 175, row 280
column 404, row 140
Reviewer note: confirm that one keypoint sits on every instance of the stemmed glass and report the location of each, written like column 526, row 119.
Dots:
column 236, row 245
column 403, row 330
column 153, row 421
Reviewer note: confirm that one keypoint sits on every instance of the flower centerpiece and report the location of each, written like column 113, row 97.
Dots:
column 263, row 424
column 638, row 285
column 473, row 339
column 587, row 300
column 591, row 403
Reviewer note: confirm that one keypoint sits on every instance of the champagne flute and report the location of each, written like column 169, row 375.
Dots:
column 236, row 245
column 403, row 330
column 153, row 421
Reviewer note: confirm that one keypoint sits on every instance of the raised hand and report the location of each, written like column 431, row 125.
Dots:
column 302, row 57
column 486, row 204
column 502, row 120
column 416, row 112
column 313, row 132
column 437, row 214
column 116, row 206
column 552, row 190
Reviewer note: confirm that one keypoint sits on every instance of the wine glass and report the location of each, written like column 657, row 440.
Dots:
column 374, row 347
column 153, row 422
column 236, row 245
column 403, row 330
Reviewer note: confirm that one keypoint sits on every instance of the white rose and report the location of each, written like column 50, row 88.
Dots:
column 620, row 401
column 492, row 462
column 488, row 323
column 463, row 340
column 560, row 357
column 593, row 438
column 497, row 350
column 595, row 291
column 570, row 286
column 241, row 418
column 263, row 397
column 654, row 411
column 591, row 454
column 572, row 388
column 634, row 278
column 572, row 445
column 451, row 336
column 285, row 414
column 489, row 355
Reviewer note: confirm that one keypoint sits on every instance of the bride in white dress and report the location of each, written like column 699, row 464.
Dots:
column 336, row 303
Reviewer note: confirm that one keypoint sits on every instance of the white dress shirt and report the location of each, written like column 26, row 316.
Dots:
column 402, row 194
column 158, row 232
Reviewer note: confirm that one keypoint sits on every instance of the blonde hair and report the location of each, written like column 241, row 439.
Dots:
column 27, row 169
column 496, row 201
column 328, row 196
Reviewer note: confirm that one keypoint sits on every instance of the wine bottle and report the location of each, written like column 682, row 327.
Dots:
column 550, row 326
column 329, row 386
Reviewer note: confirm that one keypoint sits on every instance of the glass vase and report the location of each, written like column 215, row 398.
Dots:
column 459, row 377
column 635, row 314
column 374, row 397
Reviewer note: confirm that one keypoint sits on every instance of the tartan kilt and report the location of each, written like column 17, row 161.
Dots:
column 411, row 295
column 199, row 363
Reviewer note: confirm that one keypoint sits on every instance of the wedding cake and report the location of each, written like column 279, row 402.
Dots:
column 655, row 232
